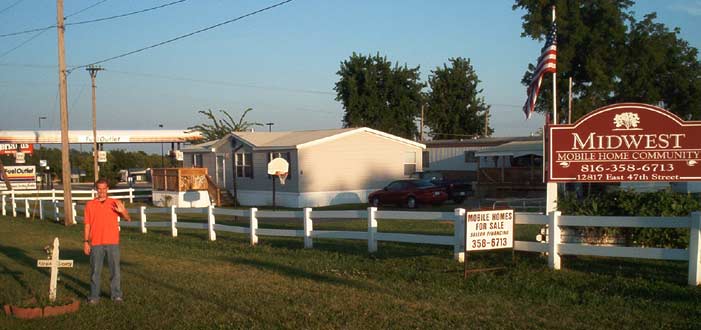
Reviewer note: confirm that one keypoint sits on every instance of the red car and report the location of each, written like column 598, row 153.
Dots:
column 410, row 193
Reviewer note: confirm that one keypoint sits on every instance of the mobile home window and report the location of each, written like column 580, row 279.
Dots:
column 244, row 165
column 470, row 157
column 284, row 155
column 197, row 160
column 409, row 163
column 424, row 159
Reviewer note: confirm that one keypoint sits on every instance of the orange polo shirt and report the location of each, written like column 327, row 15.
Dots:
column 104, row 228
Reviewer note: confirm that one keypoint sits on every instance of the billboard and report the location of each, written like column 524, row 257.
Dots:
column 12, row 148
column 625, row 142
column 20, row 177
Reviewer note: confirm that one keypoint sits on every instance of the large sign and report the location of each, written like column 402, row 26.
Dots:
column 12, row 148
column 487, row 230
column 104, row 138
column 625, row 142
column 20, row 177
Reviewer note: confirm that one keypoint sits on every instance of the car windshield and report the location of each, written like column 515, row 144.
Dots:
column 422, row 183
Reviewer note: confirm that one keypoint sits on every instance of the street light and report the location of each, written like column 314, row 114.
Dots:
column 270, row 126
column 162, row 162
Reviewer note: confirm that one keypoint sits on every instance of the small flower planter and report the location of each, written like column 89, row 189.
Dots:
column 36, row 312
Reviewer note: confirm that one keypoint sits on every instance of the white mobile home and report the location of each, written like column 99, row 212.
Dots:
column 327, row 167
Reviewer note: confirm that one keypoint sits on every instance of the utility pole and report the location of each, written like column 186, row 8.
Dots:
column 486, row 122
column 270, row 127
column 63, row 92
column 421, row 124
column 569, row 108
column 93, row 73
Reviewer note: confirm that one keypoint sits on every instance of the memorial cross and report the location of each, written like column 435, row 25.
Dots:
column 54, row 263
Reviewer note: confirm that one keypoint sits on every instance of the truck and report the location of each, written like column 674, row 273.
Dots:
column 457, row 189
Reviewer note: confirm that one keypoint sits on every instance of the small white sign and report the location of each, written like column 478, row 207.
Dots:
column 178, row 155
column 102, row 156
column 42, row 163
column 19, row 158
column 487, row 230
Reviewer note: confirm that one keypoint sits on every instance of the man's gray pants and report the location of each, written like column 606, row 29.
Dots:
column 97, row 256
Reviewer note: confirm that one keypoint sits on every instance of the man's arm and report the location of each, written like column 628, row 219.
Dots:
column 86, row 231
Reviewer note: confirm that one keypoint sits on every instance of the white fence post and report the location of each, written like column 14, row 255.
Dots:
column 308, row 227
column 56, row 211
column 4, row 204
column 74, row 213
column 210, row 223
column 173, row 221
column 459, row 235
column 41, row 210
column 26, row 208
column 53, row 195
column 142, row 213
column 92, row 193
column 254, row 226
column 119, row 223
column 372, row 230
column 14, row 205
column 554, row 240
column 695, row 249
column 131, row 195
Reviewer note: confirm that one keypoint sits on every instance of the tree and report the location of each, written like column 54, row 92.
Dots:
column 221, row 127
column 455, row 107
column 660, row 67
column 377, row 95
column 612, row 58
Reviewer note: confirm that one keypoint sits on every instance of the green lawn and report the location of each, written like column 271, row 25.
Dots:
column 190, row 283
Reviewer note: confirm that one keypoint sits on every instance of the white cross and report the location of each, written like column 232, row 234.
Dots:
column 54, row 263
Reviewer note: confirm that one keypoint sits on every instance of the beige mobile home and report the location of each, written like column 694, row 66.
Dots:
column 327, row 167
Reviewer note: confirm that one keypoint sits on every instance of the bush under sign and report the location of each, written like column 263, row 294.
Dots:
column 488, row 230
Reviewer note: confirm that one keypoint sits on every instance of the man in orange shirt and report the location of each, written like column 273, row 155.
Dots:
column 101, row 238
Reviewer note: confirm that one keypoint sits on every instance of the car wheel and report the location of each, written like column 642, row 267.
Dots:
column 458, row 200
column 411, row 202
column 375, row 202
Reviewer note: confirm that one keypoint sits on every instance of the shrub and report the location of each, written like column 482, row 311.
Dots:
column 630, row 203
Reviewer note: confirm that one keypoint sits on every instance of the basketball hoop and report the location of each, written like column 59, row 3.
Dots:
column 282, row 176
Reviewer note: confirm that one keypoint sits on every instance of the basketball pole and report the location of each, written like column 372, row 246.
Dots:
column 274, row 206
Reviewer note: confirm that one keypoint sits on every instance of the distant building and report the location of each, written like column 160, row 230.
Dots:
column 335, row 166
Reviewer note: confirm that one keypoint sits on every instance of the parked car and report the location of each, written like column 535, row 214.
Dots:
column 457, row 189
column 409, row 193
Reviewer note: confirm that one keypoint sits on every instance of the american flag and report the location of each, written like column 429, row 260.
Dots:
column 547, row 62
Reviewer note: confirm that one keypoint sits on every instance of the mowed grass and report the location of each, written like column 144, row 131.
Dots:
column 189, row 282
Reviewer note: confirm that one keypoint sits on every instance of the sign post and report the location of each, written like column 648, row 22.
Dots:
column 488, row 230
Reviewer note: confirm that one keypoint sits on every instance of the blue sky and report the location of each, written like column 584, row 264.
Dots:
column 281, row 62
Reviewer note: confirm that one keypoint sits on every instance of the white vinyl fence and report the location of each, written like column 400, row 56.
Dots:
column 554, row 247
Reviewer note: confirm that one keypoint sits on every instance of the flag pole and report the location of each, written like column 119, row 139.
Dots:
column 551, row 187
column 554, row 85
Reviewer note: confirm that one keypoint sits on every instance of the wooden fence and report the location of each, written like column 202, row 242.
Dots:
column 555, row 248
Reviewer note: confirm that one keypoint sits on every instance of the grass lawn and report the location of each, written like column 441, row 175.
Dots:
column 190, row 283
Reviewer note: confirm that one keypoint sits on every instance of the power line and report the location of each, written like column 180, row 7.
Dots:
column 10, row 6
column 127, row 14
column 184, row 36
column 92, row 20
column 22, row 44
column 224, row 83
column 86, row 8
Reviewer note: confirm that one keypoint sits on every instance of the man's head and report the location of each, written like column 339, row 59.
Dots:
column 102, row 186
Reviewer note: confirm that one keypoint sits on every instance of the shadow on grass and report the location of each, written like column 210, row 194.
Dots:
column 666, row 271
column 298, row 273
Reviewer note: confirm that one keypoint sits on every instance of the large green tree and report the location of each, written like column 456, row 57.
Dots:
column 613, row 58
column 220, row 127
column 379, row 95
column 455, row 106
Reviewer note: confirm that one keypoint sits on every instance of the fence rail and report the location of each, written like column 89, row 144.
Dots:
column 554, row 247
